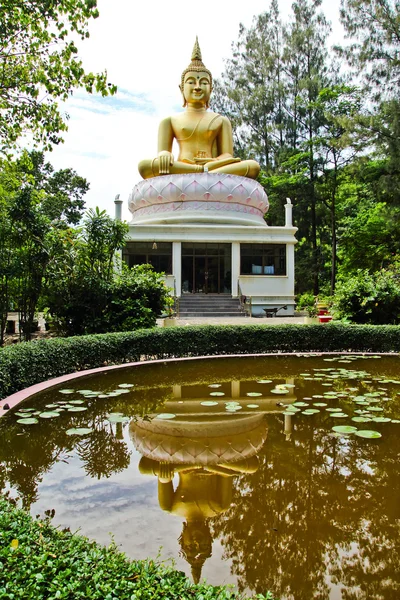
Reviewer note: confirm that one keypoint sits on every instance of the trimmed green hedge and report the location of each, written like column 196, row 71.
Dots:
column 38, row 561
column 25, row 364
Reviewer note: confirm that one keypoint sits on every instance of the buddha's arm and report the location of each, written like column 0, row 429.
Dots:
column 165, row 140
column 224, row 147
column 166, row 495
column 225, row 140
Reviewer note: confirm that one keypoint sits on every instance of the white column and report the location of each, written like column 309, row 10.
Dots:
column 235, row 268
column 177, row 391
column 118, row 208
column 177, row 266
column 288, row 213
column 235, row 389
column 290, row 267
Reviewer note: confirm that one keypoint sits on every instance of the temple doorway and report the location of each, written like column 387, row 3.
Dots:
column 206, row 268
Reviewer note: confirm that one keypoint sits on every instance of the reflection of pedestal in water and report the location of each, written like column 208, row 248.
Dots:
column 206, row 447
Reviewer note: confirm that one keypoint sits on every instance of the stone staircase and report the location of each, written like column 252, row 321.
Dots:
column 192, row 306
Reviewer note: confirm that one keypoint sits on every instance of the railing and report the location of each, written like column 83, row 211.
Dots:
column 176, row 301
column 245, row 301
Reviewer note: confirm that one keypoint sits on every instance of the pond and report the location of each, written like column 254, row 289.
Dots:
column 278, row 473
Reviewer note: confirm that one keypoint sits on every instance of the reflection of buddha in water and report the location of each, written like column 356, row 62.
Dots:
column 204, row 137
column 206, row 462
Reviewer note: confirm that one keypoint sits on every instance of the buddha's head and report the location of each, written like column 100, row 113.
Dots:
column 196, row 76
column 196, row 545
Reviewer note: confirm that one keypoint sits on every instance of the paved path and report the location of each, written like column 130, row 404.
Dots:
column 236, row 321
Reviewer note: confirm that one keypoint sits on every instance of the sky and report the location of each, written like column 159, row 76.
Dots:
column 144, row 47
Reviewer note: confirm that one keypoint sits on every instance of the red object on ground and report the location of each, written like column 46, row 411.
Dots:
column 325, row 318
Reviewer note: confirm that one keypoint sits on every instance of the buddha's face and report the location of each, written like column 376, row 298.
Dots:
column 197, row 88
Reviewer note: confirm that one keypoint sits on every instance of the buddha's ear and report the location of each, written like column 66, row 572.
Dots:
column 183, row 96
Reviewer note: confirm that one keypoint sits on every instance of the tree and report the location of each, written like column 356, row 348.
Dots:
column 39, row 65
column 81, row 271
column 36, row 205
column 374, row 28
column 339, row 105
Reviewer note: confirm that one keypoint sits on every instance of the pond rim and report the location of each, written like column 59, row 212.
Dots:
column 18, row 397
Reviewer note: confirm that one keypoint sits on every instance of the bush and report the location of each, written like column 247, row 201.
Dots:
column 366, row 298
column 86, row 304
column 39, row 561
column 137, row 297
column 28, row 363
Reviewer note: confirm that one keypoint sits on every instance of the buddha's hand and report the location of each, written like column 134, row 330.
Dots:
column 165, row 161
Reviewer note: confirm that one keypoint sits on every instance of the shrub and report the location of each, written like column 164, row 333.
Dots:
column 366, row 298
column 28, row 363
column 39, row 561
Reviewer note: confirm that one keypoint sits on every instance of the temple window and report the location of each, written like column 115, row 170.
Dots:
column 157, row 254
column 262, row 259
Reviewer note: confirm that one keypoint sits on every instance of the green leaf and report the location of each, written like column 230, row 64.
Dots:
column 79, row 431
column 344, row 429
column 49, row 415
column 368, row 434
column 165, row 416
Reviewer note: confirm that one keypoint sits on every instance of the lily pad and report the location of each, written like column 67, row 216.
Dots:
column 66, row 391
column 279, row 391
column 334, row 410
column 310, row 411
column 165, row 416
column 209, row 403
column 79, row 431
column 381, row 419
column 51, row 405
column 361, row 419
column 49, row 415
column 253, row 394
column 264, row 381
column 368, row 433
column 338, row 415
column 252, row 405
column 300, row 404
column 214, row 385
column 28, row 421
column 320, row 404
column 344, row 429
column 125, row 385
column 77, row 402
column 117, row 418
column 217, row 394
column 77, row 409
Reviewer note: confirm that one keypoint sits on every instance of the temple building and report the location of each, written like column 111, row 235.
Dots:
column 200, row 218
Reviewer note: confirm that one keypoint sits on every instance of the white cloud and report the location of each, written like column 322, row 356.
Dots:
column 144, row 47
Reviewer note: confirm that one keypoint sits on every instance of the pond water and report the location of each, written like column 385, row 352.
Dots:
column 238, row 470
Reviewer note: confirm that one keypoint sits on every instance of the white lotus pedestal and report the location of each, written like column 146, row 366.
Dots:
column 199, row 197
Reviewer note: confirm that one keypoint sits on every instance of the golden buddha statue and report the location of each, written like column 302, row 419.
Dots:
column 204, row 137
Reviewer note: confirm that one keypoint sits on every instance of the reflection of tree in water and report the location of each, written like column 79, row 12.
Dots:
column 24, row 459
column 310, row 500
column 102, row 453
